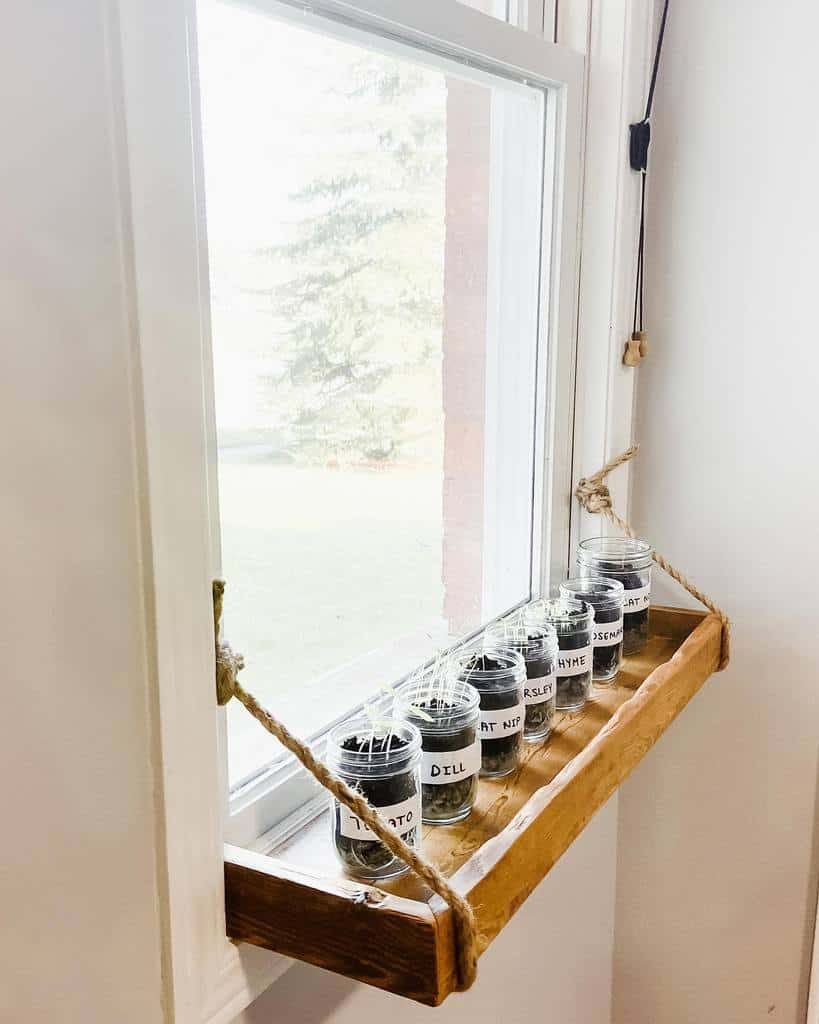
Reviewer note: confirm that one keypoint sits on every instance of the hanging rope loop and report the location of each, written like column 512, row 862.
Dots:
column 228, row 665
column 595, row 497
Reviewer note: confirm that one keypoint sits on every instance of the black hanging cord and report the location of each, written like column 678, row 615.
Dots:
column 639, row 139
column 638, row 284
column 656, row 67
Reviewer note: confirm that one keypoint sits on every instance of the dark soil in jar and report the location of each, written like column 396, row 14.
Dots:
column 606, row 659
column 501, row 755
column 444, row 800
column 538, row 716
column 371, row 854
column 573, row 690
column 635, row 624
column 635, row 630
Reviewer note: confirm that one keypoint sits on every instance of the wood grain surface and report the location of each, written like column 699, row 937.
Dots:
column 399, row 937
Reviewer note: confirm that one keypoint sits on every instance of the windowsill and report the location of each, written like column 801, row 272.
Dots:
column 266, row 810
column 299, row 903
column 334, row 692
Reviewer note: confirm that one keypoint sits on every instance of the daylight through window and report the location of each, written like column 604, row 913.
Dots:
column 374, row 232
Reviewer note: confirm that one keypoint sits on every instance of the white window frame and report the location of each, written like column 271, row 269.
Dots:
column 206, row 977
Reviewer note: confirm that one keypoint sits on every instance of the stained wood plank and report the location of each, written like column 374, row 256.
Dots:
column 300, row 904
column 511, row 863
column 342, row 925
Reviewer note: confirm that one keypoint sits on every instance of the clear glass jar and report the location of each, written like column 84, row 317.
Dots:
column 573, row 622
column 499, row 675
column 384, row 765
column 535, row 639
column 606, row 597
column 451, row 747
column 629, row 561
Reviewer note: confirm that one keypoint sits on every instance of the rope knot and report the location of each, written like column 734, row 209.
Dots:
column 228, row 662
column 228, row 666
column 593, row 495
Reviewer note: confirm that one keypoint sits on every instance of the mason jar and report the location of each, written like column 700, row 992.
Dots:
column 535, row 639
column 574, row 624
column 606, row 597
column 499, row 675
column 447, row 715
column 629, row 561
column 384, row 766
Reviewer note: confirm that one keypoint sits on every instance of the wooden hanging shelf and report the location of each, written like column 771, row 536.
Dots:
column 399, row 936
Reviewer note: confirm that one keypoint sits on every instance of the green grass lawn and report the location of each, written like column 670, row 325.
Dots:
column 323, row 565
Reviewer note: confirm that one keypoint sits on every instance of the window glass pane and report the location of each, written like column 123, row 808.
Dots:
column 373, row 229
column 516, row 12
column 496, row 8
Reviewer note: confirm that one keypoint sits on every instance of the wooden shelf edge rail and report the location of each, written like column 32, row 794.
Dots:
column 405, row 945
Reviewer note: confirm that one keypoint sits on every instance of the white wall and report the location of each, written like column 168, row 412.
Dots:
column 552, row 962
column 79, row 931
column 717, row 846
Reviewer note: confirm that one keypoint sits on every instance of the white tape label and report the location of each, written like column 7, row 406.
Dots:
column 636, row 600
column 402, row 817
column 441, row 766
column 607, row 634
column 500, row 722
column 574, row 663
column 536, row 691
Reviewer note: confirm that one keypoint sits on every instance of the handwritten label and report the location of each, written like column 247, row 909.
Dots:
column 500, row 722
column 574, row 663
column 403, row 817
column 540, row 689
column 607, row 634
column 441, row 766
column 636, row 600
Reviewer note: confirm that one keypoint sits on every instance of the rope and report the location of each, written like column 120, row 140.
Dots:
column 595, row 497
column 228, row 665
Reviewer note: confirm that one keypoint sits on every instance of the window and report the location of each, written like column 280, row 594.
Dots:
column 375, row 225
column 374, row 240
column 376, row 216
column 173, row 192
